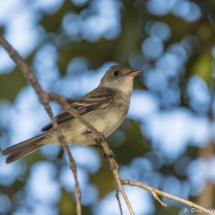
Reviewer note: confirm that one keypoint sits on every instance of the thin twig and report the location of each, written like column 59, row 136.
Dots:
column 166, row 195
column 45, row 99
column 117, row 198
column 157, row 198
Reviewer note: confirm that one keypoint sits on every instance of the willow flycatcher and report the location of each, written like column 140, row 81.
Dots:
column 105, row 108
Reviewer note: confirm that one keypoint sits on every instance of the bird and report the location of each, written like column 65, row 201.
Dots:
column 104, row 107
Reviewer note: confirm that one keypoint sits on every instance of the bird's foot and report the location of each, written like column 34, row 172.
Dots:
column 102, row 139
column 108, row 157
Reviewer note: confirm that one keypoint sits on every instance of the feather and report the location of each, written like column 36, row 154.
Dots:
column 101, row 97
column 21, row 149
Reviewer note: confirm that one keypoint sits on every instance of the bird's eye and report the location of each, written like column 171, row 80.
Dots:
column 116, row 73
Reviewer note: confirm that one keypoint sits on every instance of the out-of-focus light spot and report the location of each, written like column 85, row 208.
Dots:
column 67, row 178
column 127, row 172
column 170, row 64
column 87, row 158
column 171, row 131
column 89, row 195
column 181, row 8
column 160, row 30
column 45, row 66
column 102, row 20
column 155, row 80
column 6, row 63
column 72, row 25
column 79, row 3
column 41, row 184
column 107, row 8
column 77, row 66
column 48, row 6
column 198, row 171
column 187, row 10
column 152, row 47
column 153, row 179
column 28, row 117
column 138, row 61
column 179, row 51
column 5, row 204
column 199, row 94
column 109, row 205
column 170, row 97
column 155, row 158
column 5, row 108
column 50, row 152
column 141, row 166
column 28, row 33
column 94, row 27
column 9, row 173
column 143, row 104
column 174, row 187
column 160, row 7
column 36, row 208
column 181, row 164
column 23, row 24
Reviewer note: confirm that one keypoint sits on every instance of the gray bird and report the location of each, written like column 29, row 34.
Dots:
column 105, row 108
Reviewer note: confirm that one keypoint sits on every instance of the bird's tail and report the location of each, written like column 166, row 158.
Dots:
column 21, row 149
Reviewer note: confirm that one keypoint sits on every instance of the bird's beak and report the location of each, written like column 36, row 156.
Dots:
column 134, row 73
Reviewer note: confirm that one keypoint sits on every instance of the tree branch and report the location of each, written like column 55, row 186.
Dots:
column 45, row 99
column 117, row 198
column 151, row 190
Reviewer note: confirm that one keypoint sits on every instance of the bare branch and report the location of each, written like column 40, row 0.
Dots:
column 157, row 198
column 117, row 198
column 166, row 195
column 45, row 99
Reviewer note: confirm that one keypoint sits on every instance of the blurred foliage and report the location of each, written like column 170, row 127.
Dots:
column 11, row 84
column 133, row 18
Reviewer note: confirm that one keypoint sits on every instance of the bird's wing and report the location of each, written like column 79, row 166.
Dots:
column 99, row 98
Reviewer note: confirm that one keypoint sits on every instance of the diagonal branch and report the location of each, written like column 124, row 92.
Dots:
column 45, row 99
column 151, row 190
column 118, row 199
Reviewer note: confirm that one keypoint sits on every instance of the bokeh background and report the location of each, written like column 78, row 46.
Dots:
column 167, row 140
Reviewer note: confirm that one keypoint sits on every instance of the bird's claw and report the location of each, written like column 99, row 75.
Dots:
column 102, row 139
column 108, row 157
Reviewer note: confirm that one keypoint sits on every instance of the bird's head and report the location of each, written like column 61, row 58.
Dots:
column 119, row 77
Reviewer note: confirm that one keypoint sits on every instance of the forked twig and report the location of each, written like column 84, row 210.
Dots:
column 166, row 195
